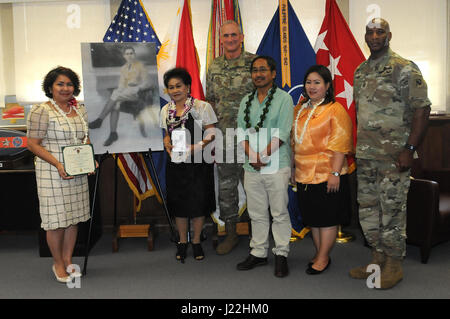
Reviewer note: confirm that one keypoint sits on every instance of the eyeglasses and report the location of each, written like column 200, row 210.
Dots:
column 261, row 70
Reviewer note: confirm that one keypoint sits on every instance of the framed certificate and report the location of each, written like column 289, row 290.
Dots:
column 78, row 159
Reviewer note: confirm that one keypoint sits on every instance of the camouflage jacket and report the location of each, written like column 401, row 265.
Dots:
column 386, row 92
column 227, row 82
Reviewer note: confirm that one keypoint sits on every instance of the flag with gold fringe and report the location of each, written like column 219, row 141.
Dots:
column 132, row 24
column 286, row 42
column 178, row 50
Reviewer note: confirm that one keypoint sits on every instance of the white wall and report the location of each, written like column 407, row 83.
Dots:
column 419, row 33
column 43, row 37
column 48, row 34
column 256, row 16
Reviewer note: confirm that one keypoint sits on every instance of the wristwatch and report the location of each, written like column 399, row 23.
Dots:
column 264, row 159
column 410, row 147
column 337, row 174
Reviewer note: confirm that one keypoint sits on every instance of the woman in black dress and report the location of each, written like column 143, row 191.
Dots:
column 189, row 179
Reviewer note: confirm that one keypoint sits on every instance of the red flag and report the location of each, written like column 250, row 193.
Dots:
column 187, row 53
column 337, row 49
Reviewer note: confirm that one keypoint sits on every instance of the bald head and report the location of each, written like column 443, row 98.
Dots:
column 378, row 23
column 378, row 36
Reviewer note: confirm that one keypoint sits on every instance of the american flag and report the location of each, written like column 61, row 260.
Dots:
column 131, row 24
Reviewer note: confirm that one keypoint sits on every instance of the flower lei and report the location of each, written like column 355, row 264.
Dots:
column 172, row 122
column 265, row 110
column 73, row 105
column 305, row 105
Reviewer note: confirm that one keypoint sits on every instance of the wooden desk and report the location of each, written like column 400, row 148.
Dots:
column 20, row 208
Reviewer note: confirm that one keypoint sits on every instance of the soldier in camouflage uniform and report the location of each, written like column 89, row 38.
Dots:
column 228, row 80
column 392, row 115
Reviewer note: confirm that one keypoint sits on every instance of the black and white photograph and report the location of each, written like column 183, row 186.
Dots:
column 121, row 95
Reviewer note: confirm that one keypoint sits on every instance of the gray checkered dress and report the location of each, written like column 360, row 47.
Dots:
column 62, row 203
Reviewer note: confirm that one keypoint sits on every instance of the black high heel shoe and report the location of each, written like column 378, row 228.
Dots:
column 197, row 250
column 181, row 251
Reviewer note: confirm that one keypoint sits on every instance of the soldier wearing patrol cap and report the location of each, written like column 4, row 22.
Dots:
column 392, row 115
column 228, row 80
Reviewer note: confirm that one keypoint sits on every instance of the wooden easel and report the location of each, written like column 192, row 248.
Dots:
column 133, row 230
column 126, row 231
column 242, row 228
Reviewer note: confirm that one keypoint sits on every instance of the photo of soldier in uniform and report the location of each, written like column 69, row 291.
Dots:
column 121, row 94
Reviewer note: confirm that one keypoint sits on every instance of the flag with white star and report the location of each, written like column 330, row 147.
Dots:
column 337, row 49
column 131, row 24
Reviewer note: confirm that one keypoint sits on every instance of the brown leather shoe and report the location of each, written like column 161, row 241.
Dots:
column 231, row 240
column 281, row 266
column 378, row 258
column 391, row 272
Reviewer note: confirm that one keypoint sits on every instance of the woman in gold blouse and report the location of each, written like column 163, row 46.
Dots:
column 321, row 137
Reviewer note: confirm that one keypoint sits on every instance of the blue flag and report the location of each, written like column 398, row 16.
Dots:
column 132, row 24
column 301, row 53
column 294, row 56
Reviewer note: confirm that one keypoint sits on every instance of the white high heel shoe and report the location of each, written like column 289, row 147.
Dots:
column 60, row 279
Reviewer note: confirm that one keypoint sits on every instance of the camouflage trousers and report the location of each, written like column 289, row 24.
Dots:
column 229, row 175
column 382, row 194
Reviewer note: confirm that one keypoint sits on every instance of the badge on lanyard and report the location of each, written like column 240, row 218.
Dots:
column 179, row 150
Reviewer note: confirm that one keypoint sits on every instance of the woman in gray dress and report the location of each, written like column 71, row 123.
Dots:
column 63, row 199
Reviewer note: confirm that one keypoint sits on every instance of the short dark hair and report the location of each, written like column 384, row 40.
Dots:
column 179, row 73
column 270, row 62
column 51, row 77
column 128, row 48
column 325, row 74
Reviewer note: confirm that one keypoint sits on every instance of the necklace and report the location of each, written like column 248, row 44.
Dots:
column 264, row 112
column 72, row 129
column 68, row 112
column 305, row 105
column 172, row 121
column 59, row 108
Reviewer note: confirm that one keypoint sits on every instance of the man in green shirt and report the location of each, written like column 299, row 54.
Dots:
column 264, row 125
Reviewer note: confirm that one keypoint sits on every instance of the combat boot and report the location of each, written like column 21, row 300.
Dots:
column 361, row 272
column 391, row 272
column 231, row 240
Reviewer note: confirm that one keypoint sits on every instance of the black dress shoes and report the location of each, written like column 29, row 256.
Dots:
column 312, row 271
column 251, row 262
column 111, row 139
column 281, row 266
column 96, row 124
